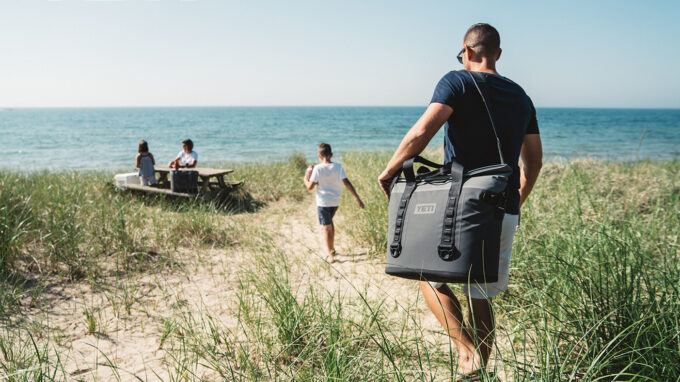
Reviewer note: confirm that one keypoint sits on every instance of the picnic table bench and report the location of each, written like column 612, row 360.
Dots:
column 211, row 181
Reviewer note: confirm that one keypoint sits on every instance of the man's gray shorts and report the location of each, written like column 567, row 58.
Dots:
column 488, row 290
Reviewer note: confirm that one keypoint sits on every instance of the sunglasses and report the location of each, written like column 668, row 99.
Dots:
column 460, row 54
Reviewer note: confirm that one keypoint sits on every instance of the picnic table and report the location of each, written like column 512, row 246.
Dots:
column 211, row 181
column 205, row 175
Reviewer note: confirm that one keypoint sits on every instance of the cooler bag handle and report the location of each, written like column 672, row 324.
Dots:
column 409, row 173
column 407, row 167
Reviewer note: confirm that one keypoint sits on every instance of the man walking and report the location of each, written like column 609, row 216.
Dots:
column 469, row 140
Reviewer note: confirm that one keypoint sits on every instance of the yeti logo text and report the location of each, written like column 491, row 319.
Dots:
column 425, row 209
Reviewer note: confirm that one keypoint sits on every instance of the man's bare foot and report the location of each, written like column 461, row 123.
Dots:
column 470, row 363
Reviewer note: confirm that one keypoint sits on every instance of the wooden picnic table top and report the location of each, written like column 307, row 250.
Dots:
column 202, row 171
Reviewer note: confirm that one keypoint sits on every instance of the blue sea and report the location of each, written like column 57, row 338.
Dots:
column 106, row 138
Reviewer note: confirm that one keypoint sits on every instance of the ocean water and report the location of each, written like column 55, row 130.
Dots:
column 106, row 138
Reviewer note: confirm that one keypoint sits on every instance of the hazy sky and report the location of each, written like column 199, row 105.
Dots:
column 216, row 52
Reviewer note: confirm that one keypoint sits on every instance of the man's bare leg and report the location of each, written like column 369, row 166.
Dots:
column 481, row 319
column 329, row 238
column 447, row 309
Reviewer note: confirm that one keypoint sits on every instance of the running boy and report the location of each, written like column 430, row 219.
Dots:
column 329, row 177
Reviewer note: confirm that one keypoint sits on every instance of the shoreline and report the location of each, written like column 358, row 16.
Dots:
column 237, row 164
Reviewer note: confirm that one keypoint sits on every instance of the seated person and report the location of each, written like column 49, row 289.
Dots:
column 187, row 157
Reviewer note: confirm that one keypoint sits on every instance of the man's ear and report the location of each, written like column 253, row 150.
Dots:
column 499, row 54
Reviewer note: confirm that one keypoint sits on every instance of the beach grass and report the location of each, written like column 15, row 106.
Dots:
column 594, row 290
column 594, row 293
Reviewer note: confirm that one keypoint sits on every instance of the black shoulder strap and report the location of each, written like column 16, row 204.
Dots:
column 488, row 111
column 446, row 247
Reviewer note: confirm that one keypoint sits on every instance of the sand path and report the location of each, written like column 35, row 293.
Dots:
column 132, row 341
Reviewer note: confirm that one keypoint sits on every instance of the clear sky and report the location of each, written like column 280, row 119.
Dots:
column 351, row 52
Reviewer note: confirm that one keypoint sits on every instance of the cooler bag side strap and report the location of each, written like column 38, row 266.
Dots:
column 395, row 246
column 446, row 248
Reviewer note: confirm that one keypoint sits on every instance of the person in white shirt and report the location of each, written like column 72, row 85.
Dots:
column 328, row 178
column 187, row 157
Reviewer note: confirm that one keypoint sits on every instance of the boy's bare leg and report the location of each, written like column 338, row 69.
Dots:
column 447, row 309
column 481, row 318
column 333, row 239
column 329, row 237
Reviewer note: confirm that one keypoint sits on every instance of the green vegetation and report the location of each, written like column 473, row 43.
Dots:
column 595, row 289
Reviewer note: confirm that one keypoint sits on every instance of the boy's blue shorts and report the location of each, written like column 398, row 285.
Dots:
column 326, row 214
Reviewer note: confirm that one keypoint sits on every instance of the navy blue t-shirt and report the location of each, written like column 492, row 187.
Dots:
column 468, row 134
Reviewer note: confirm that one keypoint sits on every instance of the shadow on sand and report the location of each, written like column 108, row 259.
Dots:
column 351, row 258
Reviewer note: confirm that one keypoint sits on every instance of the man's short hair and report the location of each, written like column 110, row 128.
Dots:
column 325, row 150
column 189, row 143
column 484, row 40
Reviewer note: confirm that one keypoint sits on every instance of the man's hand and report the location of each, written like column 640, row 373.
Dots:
column 385, row 181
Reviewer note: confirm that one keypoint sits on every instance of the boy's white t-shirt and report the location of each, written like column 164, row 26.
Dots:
column 328, row 177
column 186, row 158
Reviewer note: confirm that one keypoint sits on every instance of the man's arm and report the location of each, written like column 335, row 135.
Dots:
column 172, row 162
column 532, row 161
column 352, row 191
column 415, row 141
column 194, row 160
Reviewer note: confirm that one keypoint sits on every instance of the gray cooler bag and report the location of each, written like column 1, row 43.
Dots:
column 445, row 224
